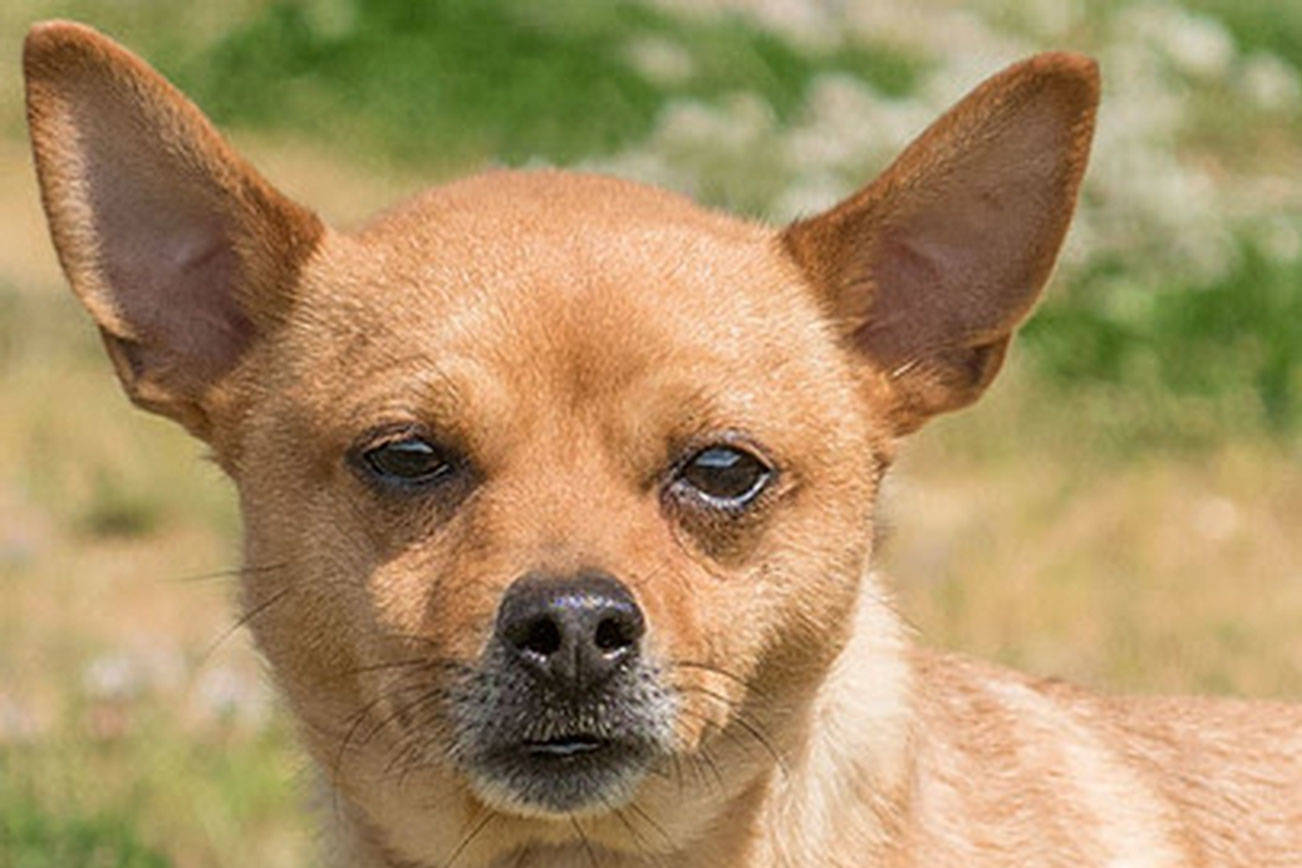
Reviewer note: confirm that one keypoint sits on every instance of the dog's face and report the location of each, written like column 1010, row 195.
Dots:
column 553, row 484
column 567, row 445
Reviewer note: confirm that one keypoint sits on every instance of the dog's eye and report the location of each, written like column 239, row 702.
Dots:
column 410, row 460
column 725, row 474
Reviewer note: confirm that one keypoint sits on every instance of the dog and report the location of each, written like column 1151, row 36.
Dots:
column 558, row 493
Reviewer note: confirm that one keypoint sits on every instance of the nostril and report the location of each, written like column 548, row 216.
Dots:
column 573, row 633
column 540, row 636
column 613, row 634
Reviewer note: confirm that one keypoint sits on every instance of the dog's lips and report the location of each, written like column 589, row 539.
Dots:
column 567, row 746
column 572, row 753
column 561, row 774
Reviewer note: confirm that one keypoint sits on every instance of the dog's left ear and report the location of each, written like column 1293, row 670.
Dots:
column 928, row 269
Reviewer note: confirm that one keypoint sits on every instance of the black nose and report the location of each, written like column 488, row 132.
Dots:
column 572, row 632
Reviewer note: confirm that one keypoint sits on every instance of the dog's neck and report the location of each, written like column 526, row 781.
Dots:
column 857, row 754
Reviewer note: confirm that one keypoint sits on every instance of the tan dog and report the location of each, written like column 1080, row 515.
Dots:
column 558, row 494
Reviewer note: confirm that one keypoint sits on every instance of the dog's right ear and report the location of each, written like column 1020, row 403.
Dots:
column 181, row 252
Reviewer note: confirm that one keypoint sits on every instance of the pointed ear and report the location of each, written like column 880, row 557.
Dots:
column 181, row 252
column 928, row 269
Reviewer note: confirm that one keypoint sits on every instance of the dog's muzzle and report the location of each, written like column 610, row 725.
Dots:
column 564, row 712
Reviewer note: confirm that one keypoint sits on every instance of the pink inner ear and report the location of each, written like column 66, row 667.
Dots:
column 974, row 237
column 174, row 244
column 164, row 246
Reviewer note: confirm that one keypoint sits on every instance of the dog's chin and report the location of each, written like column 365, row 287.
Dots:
column 562, row 776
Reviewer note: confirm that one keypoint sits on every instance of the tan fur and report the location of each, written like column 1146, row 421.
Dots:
column 573, row 335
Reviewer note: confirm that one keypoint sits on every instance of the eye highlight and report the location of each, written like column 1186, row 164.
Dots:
column 725, row 475
column 410, row 460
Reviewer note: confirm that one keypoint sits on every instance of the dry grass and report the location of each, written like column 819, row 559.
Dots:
column 1172, row 572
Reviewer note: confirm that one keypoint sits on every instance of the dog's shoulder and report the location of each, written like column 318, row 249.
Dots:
column 1233, row 767
column 1200, row 780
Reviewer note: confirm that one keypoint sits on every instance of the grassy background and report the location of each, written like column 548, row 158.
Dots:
column 1123, row 509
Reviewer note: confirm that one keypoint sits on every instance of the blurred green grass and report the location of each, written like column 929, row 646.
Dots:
column 450, row 82
column 1187, row 368
column 1260, row 25
column 143, row 797
column 33, row 838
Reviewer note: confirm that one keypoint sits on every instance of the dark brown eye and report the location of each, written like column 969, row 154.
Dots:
column 409, row 461
column 726, row 475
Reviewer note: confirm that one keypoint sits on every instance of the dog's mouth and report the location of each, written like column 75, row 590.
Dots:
column 536, row 752
column 563, row 773
column 567, row 747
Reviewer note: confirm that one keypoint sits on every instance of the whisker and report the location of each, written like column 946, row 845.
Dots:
column 734, row 709
column 658, row 771
column 758, row 734
column 751, row 729
column 710, row 726
column 646, row 818
column 405, row 760
column 587, row 845
column 354, row 724
column 416, row 663
column 414, row 741
column 242, row 621
column 355, row 721
column 480, row 823
column 678, row 770
column 731, row 676
column 232, row 572
column 246, row 618
column 403, row 710
column 714, row 768
column 633, row 833
column 701, row 770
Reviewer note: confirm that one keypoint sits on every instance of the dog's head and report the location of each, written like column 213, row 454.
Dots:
column 558, row 489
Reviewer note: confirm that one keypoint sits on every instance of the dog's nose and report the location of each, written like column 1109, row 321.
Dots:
column 572, row 632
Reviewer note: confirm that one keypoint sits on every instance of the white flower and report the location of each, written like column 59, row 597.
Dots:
column 808, row 196
column 1280, row 238
column 659, row 60
column 846, row 125
column 1051, row 17
column 17, row 722
column 810, row 23
column 733, row 126
column 1197, row 45
column 126, row 673
column 114, row 676
column 1200, row 45
column 1215, row 518
column 1270, row 83
column 645, row 165
column 226, row 693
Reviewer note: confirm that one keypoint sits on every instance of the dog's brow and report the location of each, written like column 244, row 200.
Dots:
column 438, row 393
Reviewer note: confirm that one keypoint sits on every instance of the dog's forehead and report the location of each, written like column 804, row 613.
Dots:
column 548, row 206
column 552, row 270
